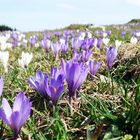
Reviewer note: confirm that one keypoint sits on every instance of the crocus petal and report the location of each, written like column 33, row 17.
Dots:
column 39, row 75
column 1, row 85
column 18, row 102
column 3, row 117
column 31, row 81
column 6, row 108
column 15, row 122
column 26, row 111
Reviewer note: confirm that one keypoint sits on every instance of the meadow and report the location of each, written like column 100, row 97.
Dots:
column 80, row 83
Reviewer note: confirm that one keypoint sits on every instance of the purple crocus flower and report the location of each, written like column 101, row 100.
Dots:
column 111, row 54
column 55, row 72
column 76, row 43
column 94, row 67
column 33, row 40
column 87, row 43
column 64, row 44
column 86, row 55
column 99, row 43
column 15, row 43
column 46, row 43
column 14, row 36
column 75, row 76
column 56, row 47
column 123, row 33
column 55, row 88
column 108, row 32
column 1, row 85
column 39, row 82
column 67, row 33
column 16, row 117
column 76, row 56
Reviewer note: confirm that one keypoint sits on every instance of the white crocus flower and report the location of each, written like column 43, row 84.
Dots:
column 104, row 34
column 62, row 41
column 25, row 59
column 9, row 45
column 95, row 42
column 118, row 43
column 3, row 40
column 89, row 34
column 4, row 57
column 106, row 41
column 82, row 36
column 133, row 40
column 138, row 34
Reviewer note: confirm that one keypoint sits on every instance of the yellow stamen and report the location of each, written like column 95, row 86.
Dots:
column 54, row 89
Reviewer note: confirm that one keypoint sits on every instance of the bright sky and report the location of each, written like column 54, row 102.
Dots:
column 34, row 15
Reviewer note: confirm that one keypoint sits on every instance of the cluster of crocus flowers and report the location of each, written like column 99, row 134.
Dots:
column 4, row 57
column 25, row 59
column 52, row 88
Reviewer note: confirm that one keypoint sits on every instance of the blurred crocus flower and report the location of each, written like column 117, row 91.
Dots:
column 46, row 43
column 75, row 76
column 106, row 41
column 81, row 35
column 111, row 54
column 123, row 33
column 15, row 43
column 108, row 32
column 25, row 59
column 9, row 45
column 1, row 85
column 89, row 34
column 14, row 36
column 4, row 57
column 39, row 83
column 21, row 36
column 104, row 34
column 24, row 43
column 16, row 117
column 86, row 55
column 87, row 43
column 95, row 42
column 94, row 67
column 133, row 40
column 33, row 40
column 118, row 43
column 3, row 44
column 56, row 47
column 99, row 43
column 138, row 33
column 76, row 43
column 64, row 44
column 76, row 56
